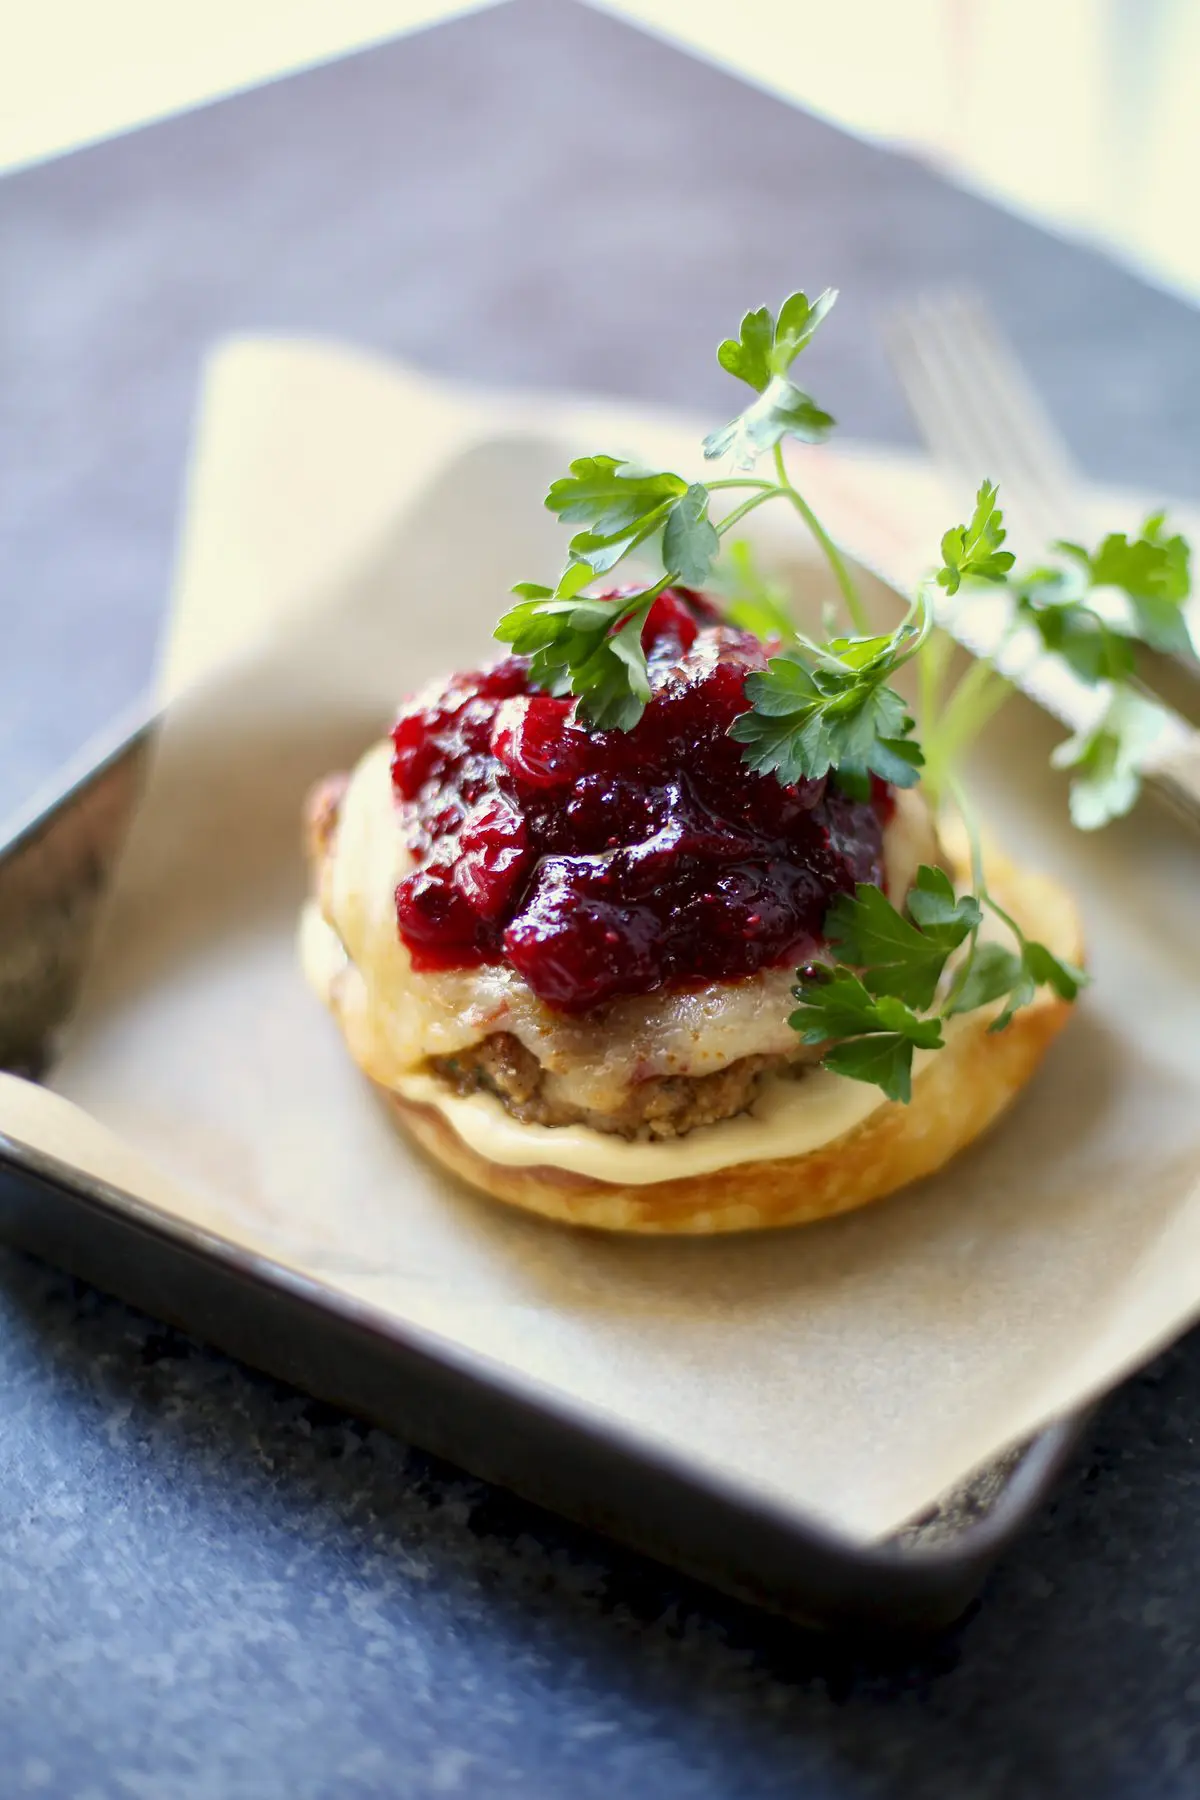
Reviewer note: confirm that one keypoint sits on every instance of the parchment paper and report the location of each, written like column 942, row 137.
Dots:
column 853, row 1371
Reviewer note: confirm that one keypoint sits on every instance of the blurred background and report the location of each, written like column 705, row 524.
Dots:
column 1081, row 113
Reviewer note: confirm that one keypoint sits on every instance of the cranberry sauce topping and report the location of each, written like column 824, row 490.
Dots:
column 615, row 863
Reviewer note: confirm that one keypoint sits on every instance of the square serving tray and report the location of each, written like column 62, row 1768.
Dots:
column 53, row 869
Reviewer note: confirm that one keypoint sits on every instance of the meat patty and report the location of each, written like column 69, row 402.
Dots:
column 663, row 1107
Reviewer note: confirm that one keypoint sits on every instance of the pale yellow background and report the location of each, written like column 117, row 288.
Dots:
column 1085, row 112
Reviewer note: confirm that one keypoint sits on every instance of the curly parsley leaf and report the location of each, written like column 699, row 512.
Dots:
column 592, row 647
column 874, row 1037
column 748, row 356
column 1051, row 600
column 690, row 542
column 973, row 551
column 618, row 503
column 1106, row 761
column 767, row 346
column 898, row 955
column 781, row 410
column 810, row 714
column 996, row 973
column 993, row 974
column 762, row 356
column 874, row 1014
column 1152, row 572
column 589, row 648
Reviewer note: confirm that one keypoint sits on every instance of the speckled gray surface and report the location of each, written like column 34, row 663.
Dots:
column 210, row 1586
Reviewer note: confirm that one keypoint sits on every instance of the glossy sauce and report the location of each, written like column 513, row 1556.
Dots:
column 613, row 864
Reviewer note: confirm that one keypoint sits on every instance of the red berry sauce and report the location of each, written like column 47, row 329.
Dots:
column 617, row 863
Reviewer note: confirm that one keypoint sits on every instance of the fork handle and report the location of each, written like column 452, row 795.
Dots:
column 1175, row 778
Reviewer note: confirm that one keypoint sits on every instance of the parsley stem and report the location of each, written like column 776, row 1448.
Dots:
column 643, row 600
column 971, row 826
column 978, row 883
column 979, row 693
column 967, row 688
column 1005, row 918
column 841, row 573
column 931, row 676
column 739, row 512
column 739, row 481
column 949, row 727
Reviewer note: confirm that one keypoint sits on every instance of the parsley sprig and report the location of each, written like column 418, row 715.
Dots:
column 831, row 706
column 817, row 708
column 972, row 552
column 592, row 648
column 762, row 355
column 828, row 709
column 1105, row 762
column 1091, row 610
column 872, row 1009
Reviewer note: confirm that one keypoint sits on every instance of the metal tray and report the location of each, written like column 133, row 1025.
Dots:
column 53, row 870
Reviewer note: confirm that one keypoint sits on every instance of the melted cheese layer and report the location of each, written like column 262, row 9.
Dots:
column 396, row 1018
column 789, row 1118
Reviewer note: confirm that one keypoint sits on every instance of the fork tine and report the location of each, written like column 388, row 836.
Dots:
column 1020, row 416
column 969, row 399
column 929, row 387
column 981, row 416
column 940, row 384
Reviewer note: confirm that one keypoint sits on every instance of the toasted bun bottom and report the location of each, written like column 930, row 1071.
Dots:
column 956, row 1095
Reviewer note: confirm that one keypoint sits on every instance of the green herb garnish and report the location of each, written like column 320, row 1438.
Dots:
column 593, row 649
column 828, row 708
column 873, row 1038
column 762, row 356
column 816, row 709
column 972, row 552
column 881, row 1014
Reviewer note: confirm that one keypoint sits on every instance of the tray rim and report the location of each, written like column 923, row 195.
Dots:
column 506, row 1384
column 796, row 1566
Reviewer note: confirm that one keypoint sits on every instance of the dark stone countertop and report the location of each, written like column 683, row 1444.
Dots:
column 209, row 1585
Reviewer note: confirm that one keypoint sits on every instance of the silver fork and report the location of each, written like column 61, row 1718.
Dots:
column 980, row 415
